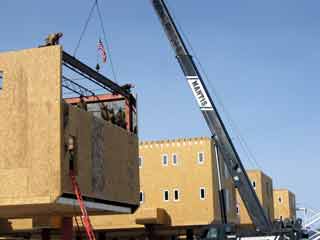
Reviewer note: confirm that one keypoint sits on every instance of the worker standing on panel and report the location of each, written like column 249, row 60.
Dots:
column 112, row 116
column 82, row 104
column 104, row 112
column 52, row 39
column 121, row 118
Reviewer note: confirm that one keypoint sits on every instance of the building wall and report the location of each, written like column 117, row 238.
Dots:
column 187, row 175
column 30, row 140
column 263, row 187
column 284, row 204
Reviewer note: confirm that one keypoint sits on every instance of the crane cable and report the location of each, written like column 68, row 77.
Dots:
column 96, row 5
column 85, row 27
column 105, row 41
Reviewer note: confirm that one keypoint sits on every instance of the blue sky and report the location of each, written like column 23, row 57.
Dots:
column 262, row 58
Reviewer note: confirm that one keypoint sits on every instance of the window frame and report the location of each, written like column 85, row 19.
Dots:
column 1, row 80
column 176, row 156
column 176, row 190
column 254, row 184
column 164, row 195
column 198, row 157
column 238, row 209
column 141, row 197
column 204, row 193
column 162, row 159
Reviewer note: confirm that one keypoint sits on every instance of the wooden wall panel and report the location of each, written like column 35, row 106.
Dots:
column 30, row 125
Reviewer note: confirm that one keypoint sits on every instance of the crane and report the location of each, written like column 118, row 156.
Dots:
column 215, row 124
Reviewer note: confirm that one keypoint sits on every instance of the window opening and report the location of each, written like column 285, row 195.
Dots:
column 166, row 195
column 165, row 159
column 176, row 195
column 253, row 184
column 1, row 80
column 174, row 159
column 141, row 197
column 200, row 157
column 238, row 209
column 202, row 193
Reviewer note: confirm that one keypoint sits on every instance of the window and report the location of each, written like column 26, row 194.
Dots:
column 165, row 159
column 253, row 184
column 141, row 197
column 174, row 159
column 165, row 195
column 176, row 195
column 202, row 193
column 140, row 162
column 280, row 199
column 238, row 209
column 1, row 80
column 200, row 157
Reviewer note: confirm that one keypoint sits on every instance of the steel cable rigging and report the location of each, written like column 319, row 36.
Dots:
column 105, row 41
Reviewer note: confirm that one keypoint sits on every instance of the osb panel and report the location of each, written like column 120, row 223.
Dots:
column 106, row 164
column 30, row 126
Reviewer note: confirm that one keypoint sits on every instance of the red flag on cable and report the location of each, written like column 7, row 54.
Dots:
column 102, row 51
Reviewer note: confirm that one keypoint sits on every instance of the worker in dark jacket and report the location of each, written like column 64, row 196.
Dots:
column 52, row 39
column 112, row 116
column 121, row 119
column 104, row 112
column 82, row 103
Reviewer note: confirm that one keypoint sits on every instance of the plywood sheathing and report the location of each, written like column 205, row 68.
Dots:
column 30, row 126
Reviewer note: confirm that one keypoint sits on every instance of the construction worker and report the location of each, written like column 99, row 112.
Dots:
column 112, row 116
column 82, row 103
column 71, row 148
column 127, row 87
column 121, row 119
column 52, row 39
column 104, row 112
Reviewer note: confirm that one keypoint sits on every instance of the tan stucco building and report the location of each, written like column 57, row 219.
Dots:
column 284, row 204
column 262, row 184
column 178, row 184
